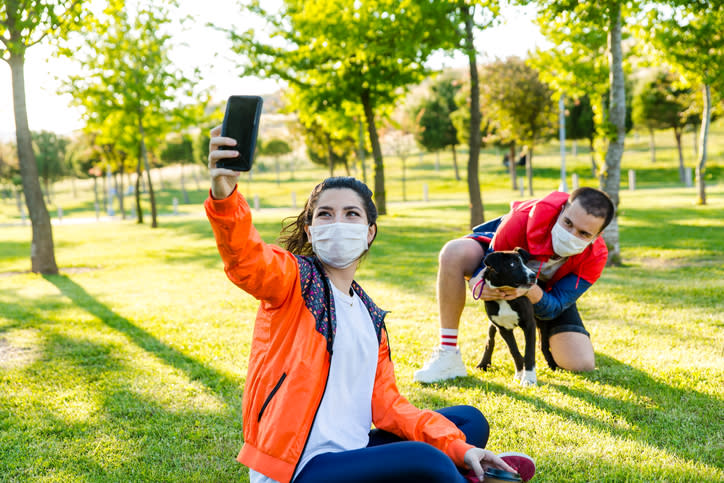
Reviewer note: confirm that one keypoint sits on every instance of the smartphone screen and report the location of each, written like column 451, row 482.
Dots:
column 241, row 122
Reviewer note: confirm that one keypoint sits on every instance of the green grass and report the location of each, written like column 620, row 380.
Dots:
column 130, row 364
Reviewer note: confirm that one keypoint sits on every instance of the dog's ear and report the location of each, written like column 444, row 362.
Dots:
column 490, row 258
column 523, row 254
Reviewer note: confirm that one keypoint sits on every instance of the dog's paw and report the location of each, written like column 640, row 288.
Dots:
column 526, row 378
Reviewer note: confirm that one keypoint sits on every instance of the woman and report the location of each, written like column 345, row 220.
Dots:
column 320, row 371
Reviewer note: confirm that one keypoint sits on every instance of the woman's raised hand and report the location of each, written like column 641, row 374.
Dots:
column 223, row 180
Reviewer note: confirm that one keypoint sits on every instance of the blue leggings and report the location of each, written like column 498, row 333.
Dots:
column 388, row 458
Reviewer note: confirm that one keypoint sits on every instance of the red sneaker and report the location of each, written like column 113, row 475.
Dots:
column 522, row 463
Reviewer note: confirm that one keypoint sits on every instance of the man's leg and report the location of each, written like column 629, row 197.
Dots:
column 458, row 260
column 567, row 341
column 573, row 351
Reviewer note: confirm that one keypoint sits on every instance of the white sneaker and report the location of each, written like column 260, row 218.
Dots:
column 443, row 364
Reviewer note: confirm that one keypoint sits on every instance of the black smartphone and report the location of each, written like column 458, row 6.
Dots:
column 241, row 122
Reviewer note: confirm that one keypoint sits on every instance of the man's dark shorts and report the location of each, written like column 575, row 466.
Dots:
column 568, row 321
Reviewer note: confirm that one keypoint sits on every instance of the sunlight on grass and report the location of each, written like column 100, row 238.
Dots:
column 130, row 364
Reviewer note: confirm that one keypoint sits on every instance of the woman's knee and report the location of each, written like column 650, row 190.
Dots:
column 431, row 464
column 470, row 421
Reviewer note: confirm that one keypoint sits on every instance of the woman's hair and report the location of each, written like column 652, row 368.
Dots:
column 294, row 238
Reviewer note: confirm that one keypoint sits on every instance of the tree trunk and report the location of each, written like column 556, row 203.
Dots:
column 512, row 167
column 183, row 185
column 278, row 168
column 455, row 163
column 119, row 188
column 330, row 156
column 594, row 165
column 695, row 131
column 46, row 181
column 677, row 136
column 95, row 191
column 652, row 145
column 404, row 177
column 196, row 177
column 380, row 196
column 529, row 169
column 139, row 178
column 703, row 139
column 144, row 155
column 42, row 249
column 611, row 177
column 477, row 214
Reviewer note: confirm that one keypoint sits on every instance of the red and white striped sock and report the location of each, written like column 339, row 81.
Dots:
column 449, row 339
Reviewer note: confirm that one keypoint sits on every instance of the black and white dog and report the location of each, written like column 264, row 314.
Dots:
column 508, row 269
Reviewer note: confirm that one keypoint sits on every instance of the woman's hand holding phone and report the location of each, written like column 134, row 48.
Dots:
column 223, row 180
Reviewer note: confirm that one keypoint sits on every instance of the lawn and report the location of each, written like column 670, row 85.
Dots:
column 130, row 364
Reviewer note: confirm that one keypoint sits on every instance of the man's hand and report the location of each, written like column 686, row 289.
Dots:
column 534, row 293
column 223, row 180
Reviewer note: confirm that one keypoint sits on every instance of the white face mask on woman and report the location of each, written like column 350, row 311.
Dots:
column 566, row 244
column 339, row 244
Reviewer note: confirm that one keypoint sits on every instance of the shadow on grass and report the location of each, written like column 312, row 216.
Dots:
column 225, row 387
column 660, row 415
column 109, row 430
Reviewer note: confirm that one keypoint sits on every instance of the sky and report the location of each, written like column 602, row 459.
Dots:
column 201, row 46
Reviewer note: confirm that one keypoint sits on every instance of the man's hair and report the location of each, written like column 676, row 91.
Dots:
column 595, row 202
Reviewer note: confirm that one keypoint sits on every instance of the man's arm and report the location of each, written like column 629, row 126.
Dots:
column 563, row 294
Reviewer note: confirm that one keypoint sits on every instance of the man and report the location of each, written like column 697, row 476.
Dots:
column 561, row 233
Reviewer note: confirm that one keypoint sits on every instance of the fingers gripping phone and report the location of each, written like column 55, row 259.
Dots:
column 241, row 122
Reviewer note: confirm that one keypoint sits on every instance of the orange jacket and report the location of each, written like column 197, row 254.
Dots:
column 291, row 351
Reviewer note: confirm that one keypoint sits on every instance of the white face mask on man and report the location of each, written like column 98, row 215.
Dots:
column 565, row 243
column 339, row 244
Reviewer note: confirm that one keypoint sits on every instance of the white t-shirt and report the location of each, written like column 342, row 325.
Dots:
column 549, row 268
column 344, row 418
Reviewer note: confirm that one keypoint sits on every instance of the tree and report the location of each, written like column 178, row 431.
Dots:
column 519, row 103
column 658, row 103
column 595, row 30
column 328, row 147
column 23, row 25
column 464, row 23
column 276, row 148
column 9, row 166
column 435, row 128
column 348, row 55
column 580, row 124
column 50, row 155
column 130, row 90
column 179, row 149
column 689, row 36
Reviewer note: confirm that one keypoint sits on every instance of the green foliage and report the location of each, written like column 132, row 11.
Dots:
column 345, row 50
column 178, row 149
column 27, row 23
column 688, row 35
column 129, row 88
column 350, row 58
column 517, row 102
column 434, row 115
column 276, row 147
column 50, row 151
column 580, row 119
column 9, row 166
column 659, row 104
